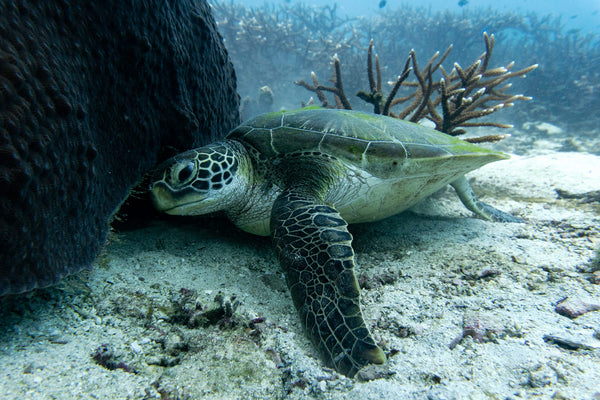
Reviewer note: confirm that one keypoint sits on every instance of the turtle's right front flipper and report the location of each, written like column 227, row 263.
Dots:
column 485, row 211
column 314, row 248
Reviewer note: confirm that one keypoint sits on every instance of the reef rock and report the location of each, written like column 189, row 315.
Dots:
column 91, row 95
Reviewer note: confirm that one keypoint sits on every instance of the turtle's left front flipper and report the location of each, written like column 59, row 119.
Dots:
column 314, row 248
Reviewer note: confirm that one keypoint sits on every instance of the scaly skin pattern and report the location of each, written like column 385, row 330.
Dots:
column 314, row 248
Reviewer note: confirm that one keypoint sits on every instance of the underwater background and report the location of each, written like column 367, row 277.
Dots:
column 581, row 14
column 464, row 308
column 275, row 44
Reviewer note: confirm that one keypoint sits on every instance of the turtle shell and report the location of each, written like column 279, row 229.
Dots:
column 379, row 144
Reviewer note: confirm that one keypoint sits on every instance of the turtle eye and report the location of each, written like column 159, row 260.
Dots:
column 183, row 173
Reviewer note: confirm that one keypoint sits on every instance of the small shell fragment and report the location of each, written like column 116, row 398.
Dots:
column 574, row 308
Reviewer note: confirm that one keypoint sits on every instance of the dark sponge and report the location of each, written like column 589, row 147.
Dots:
column 91, row 92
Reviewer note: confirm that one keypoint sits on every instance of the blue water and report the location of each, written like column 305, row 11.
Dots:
column 575, row 14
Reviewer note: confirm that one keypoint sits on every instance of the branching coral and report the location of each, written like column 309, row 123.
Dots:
column 270, row 44
column 463, row 95
column 341, row 101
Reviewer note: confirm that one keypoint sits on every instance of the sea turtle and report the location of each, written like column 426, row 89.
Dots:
column 301, row 176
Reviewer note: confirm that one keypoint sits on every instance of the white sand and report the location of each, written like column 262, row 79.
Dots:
column 427, row 271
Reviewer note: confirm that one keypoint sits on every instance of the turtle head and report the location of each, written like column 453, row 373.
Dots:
column 200, row 181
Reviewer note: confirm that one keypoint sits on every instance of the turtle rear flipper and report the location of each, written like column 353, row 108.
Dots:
column 313, row 245
column 481, row 209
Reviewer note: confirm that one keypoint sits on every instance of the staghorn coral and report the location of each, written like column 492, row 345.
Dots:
column 271, row 42
column 463, row 94
column 341, row 101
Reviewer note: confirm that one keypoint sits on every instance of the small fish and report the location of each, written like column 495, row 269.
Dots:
column 463, row 2
column 382, row 3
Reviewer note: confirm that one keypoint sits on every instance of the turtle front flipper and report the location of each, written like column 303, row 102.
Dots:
column 314, row 248
column 483, row 210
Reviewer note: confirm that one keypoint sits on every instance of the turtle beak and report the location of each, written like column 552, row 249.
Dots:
column 162, row 197
column 185, row 202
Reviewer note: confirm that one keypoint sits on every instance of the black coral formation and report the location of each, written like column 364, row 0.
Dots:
column 451, row 103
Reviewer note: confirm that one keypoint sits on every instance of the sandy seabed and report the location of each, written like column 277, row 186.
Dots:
column 464, row 308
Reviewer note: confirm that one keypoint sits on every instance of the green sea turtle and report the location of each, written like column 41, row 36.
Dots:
column 301, row 177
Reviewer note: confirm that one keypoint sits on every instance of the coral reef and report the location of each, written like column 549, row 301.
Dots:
column 262, row 104
column 271, row 45
column 91, row 96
